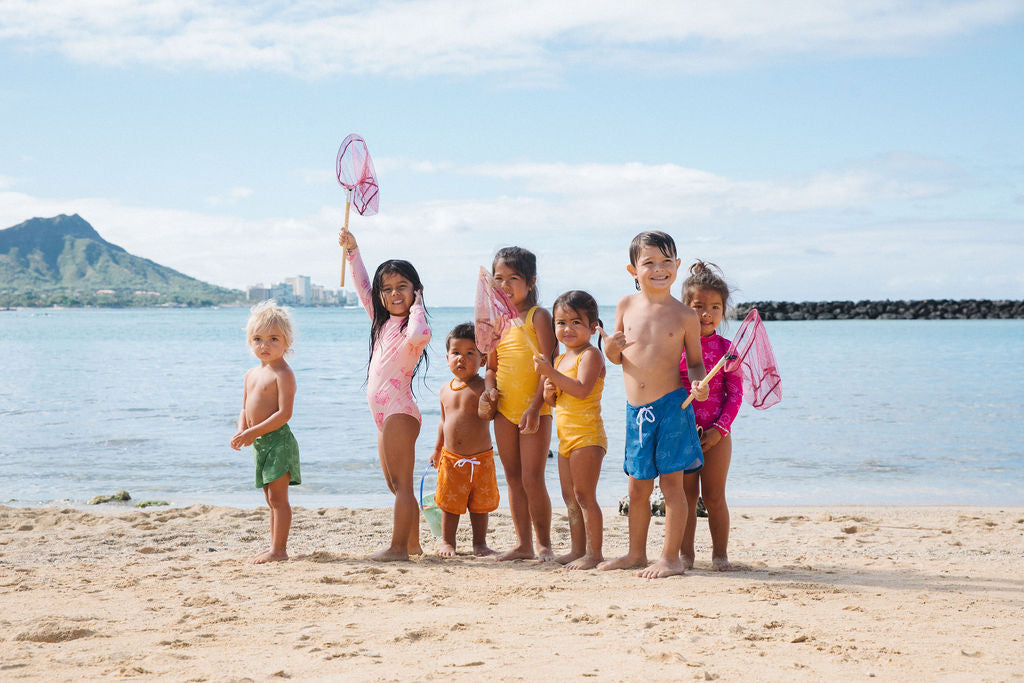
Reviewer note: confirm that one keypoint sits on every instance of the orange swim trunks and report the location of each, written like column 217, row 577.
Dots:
column 466, row 482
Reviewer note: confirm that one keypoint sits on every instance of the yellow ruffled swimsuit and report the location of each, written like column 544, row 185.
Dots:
column 578, row 420
column 516, row 379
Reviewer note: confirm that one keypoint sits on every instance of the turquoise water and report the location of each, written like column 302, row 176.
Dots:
column 888, row 412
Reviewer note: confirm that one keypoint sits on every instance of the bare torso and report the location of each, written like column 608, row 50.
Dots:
column 656, row 330
column 464, row 432
column 261, row 393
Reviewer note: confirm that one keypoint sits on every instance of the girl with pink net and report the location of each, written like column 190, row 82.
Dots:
column 706, row 292
column 399, row 334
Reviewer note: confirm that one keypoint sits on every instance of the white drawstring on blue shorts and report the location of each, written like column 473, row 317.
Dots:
column 645, row 414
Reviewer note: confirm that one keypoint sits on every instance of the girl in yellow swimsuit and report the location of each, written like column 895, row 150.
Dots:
column 574, row 385
column 522, row 427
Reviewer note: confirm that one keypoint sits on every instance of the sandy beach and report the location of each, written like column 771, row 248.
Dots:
column 820, row 593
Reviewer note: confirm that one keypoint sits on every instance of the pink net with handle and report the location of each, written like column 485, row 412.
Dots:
column 493, row 312
column 355, row 173
column 751, row 352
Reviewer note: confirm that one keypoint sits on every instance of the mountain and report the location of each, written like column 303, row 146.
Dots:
column 63, row 260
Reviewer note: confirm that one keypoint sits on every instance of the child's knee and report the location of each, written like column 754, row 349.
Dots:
column 714, row 500
column 585, row 498
column 640, row 489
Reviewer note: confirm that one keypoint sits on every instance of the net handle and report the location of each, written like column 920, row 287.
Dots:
column 707, row 378
column 348, row 205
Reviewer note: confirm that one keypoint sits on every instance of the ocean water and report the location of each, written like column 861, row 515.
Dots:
column 874, row 412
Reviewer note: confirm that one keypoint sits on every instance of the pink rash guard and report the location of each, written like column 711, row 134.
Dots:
column 725, row 392
column 395, row 355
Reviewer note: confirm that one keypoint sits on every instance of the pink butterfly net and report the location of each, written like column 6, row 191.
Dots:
column 494, row 312
column 751, row 352
column 356, row 174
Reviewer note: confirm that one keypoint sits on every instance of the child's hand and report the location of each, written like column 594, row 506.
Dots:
column 242, row 438
column 530, row 422
column 550, row 392
column 700, row 393
column 542, row 365
column 347, row 240
column 614, row 343
column 488, row 404
column 709, row 439
column 435, row 458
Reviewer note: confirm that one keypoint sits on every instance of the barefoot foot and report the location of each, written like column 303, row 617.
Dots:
column 518, row 553
column 662, row 568
column 568, row 557
column 268, row 556
column 722, row 564
column 624, row 562
column 481, row 550
column 390, row 555
column 586, row 562
column 445, row 549
column 688, row 559
column 545, row 554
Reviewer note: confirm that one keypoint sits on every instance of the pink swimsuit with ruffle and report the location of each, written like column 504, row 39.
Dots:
column 395, row 355
column 725, row 392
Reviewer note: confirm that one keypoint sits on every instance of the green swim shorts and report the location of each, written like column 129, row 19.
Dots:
column 277, row 453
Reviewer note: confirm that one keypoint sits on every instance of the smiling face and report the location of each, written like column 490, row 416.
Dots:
column 710, row 309
column 269, row 345
column 396, row 293
column 654, row 270
column 572, row 328
column 463, row 358
column 512, row 282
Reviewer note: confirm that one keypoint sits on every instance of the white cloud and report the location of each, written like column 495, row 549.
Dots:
column 229, row 197
column 832, row 235
column 536, row 37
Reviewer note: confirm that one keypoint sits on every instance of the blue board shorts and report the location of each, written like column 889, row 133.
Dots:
column 661, row 438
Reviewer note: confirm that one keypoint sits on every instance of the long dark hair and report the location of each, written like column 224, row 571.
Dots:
column 380, row 311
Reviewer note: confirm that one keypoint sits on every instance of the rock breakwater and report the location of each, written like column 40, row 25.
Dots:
column 926, row 309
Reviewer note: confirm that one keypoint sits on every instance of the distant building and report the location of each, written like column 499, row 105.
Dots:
column 257, row 293
column 300, row 289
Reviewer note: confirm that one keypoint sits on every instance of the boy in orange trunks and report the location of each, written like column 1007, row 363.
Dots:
column 463, row 455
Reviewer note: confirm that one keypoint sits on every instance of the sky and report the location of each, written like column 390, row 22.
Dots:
column 813, row 149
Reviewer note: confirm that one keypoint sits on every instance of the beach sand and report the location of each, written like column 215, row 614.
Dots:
column 821, row 593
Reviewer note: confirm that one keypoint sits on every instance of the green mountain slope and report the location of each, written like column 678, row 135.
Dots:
column 63, row 260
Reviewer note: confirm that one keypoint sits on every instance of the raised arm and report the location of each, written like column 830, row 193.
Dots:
column 361, row 281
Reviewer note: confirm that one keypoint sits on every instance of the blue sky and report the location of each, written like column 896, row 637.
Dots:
column 814, row 150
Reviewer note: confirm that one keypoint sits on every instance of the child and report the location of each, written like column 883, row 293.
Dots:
column 574, row 385
column 463, row 455
column 398, row 336
column 522, row 427
column 653, row 330
column 266, row 408
column 708, row 294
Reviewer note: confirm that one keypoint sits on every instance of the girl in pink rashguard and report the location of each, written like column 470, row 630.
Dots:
column 399, row 334
column 707, row 293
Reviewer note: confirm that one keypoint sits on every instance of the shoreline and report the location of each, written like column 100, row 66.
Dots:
column 820, row 592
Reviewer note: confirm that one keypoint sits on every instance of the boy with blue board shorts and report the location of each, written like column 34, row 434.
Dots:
column 653, row 331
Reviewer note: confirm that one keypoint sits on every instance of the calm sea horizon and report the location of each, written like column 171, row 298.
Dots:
column 893, row 412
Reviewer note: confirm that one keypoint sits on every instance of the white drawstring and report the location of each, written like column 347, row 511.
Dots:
column 645, row 414
column 472, row 462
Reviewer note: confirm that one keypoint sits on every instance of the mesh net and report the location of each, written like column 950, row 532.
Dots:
column 493, row 312
column 762, row 385
column 355, row 172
